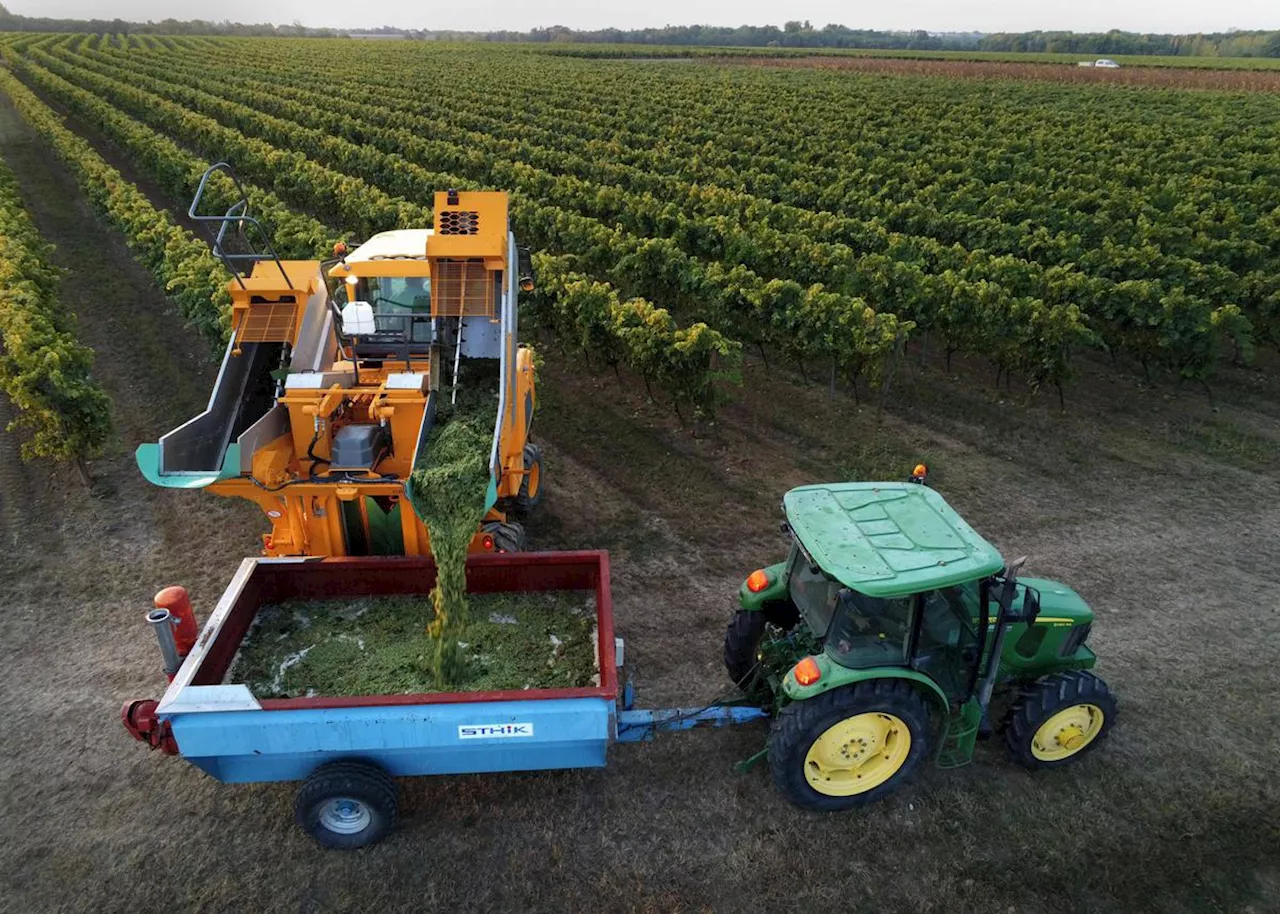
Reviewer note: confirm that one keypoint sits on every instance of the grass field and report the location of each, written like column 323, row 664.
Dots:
column 1157, row 503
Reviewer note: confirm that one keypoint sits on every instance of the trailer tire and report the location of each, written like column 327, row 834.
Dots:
column 345, row 805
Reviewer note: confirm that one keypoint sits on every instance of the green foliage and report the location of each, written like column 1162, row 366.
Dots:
column 62, row 411
column 184, row 266
column 448, row 490
column 374, row 646
column 685, row 362
column 767, row 209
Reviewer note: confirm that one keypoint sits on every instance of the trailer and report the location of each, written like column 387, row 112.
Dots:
column 346, row 750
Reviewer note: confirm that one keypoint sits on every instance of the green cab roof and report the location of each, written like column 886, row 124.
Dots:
column 887, row 539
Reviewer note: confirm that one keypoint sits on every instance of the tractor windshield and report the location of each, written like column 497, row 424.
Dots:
column 401, row 304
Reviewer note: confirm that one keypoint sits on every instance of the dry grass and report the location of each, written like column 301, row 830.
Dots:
column 1161, row 527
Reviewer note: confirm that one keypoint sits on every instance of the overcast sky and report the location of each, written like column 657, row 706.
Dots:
column 934, row 15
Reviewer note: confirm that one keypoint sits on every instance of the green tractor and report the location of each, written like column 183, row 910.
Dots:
column 889, row 630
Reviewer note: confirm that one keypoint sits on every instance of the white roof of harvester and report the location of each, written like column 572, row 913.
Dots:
column 402, row 244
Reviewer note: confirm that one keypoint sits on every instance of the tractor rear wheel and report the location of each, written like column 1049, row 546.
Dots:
column 1059, row 718
column 742, row 638
column 345, row 805
column 849, row 746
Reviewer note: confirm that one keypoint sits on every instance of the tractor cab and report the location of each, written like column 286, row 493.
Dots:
column 885, row 634
column 890, row 575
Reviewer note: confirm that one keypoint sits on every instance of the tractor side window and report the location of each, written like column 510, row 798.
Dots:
column 870, row 631
column 813, row 593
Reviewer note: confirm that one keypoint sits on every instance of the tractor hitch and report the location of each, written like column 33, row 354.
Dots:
column 139, row 718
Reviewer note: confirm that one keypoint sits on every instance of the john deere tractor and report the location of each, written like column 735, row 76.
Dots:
column 889, row 635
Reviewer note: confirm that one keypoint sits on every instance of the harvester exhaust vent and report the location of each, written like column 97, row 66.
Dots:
column 459, row 222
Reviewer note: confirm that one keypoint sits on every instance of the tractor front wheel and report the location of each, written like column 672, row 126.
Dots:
column 850, row 746
column 1059, row 718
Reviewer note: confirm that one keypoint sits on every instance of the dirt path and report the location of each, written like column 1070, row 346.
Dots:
column 1162, row 510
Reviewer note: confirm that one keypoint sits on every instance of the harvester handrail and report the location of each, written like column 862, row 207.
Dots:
column 237, row 214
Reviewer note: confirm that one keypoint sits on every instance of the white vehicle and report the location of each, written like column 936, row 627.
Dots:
column 1107, row 63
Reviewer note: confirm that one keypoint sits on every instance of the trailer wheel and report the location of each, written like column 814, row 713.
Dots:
column 345, row 805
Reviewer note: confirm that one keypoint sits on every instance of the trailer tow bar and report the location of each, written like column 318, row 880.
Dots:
column 641, row 725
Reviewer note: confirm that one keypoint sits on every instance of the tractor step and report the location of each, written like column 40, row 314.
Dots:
column 956, row 748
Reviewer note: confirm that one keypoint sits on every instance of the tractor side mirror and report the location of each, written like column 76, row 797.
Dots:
column 1030, row 604
column 1009, row 584
column 528, row 281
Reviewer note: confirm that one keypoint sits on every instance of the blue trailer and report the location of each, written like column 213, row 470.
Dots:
column 347, row 750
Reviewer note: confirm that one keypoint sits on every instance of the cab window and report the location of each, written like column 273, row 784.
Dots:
column 870, row 631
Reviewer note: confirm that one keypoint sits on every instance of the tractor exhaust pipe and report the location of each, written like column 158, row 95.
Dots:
column 163, row 622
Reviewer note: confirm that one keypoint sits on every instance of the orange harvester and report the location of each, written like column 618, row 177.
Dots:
column 332, row 377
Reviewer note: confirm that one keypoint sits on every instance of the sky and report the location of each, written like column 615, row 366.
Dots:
column 1176, row 16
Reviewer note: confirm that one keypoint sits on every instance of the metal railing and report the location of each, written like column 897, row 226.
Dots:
column 237, row 217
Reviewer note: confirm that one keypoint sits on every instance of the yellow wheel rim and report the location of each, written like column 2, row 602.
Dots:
column 1067, row 732
column 535, row 478
column 857, row 754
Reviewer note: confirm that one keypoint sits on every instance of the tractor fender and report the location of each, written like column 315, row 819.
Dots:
column 776, row 589
column 834, row 676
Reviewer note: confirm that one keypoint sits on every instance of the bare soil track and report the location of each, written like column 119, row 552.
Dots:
column 1164, row 512
column 1161, row 77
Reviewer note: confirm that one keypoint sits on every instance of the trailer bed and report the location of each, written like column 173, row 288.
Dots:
column 236, row 737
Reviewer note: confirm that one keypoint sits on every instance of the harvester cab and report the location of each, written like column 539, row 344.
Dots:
column 893, row 627
column 334, row 372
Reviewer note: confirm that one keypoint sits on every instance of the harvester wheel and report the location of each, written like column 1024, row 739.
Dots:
column 530, row 494
column 508, row 536
column 849, row 746
column 1059, row 718
column 345, row 805
column 742, row 638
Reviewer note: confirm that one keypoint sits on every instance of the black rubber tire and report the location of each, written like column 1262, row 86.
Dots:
column 368, row 784
column 1047, row 697
column 741, row 639
column 525, row 503
column 743, row 634
column 801, row 723
column 508, row 536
